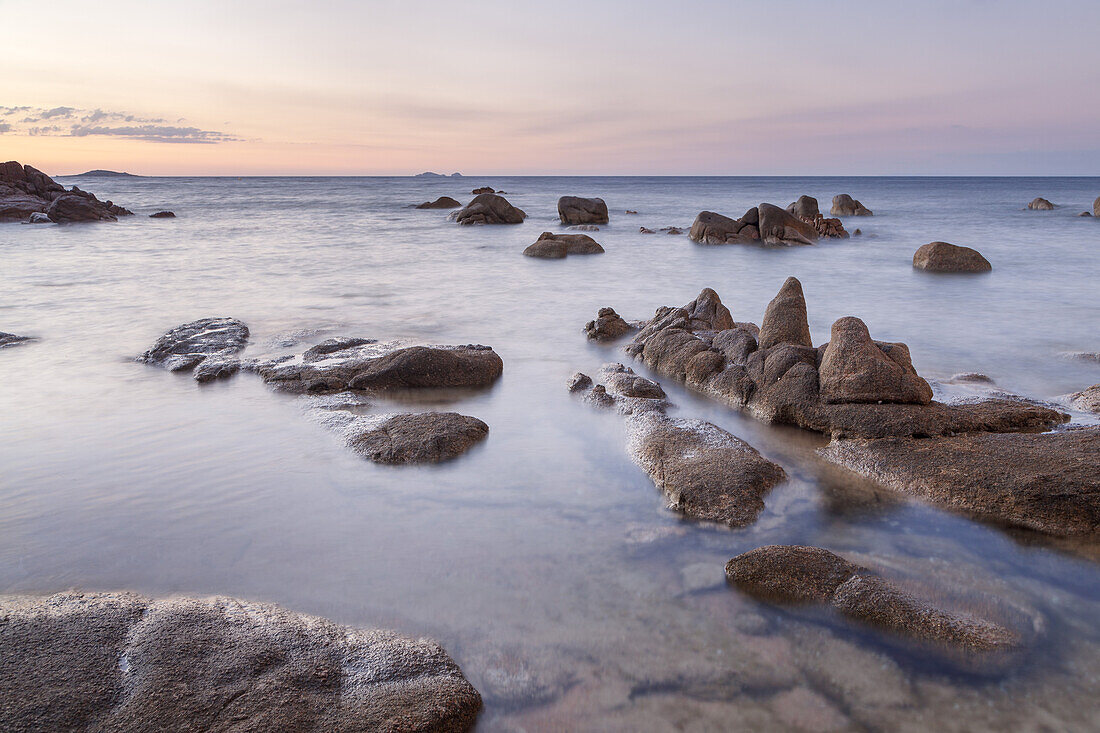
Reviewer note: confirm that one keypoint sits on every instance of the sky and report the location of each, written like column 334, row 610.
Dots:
column 677, row 87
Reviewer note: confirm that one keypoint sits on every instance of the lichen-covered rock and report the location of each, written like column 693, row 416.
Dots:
column 425, row 437
column 488, row 208
column 380, row 367
column 608, row 326
column 1040, row 204
column 946, row 257
column 185, row 347
column 443, row 202
column 577, row 210
column 1048, row 482
column 845, row 205
column 558, row 246
column 123, row 662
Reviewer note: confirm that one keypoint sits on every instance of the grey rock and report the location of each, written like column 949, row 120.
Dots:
column 185, row 347
column 426, row 437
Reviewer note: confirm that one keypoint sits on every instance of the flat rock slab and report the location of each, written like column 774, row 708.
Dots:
column 425, row 437
column 342, row 364
column 706, row 472
column 1049, row 482
column 185, row 347
column 123, row 662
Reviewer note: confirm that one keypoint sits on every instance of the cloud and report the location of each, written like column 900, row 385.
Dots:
column 76, row 122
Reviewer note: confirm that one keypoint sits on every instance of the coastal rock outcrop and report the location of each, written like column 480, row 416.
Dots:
column 10, row 339
column 120, row 661
column 1048, row 482
column 367, row 365
column 1040, row 204
column 25, row 191
column 802, row 574
column 577, row 210
column 489, row 208
column 1087, row 400
column 443, row 202
column 945, row 257
column 845, row 205
column 188, row 346
column 778, row 376
column 425, row 437
column 558, row 246
column 608, row 326
column 767, row 223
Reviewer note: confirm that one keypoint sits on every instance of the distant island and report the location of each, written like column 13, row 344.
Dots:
column 429, row 174
column 106, row 174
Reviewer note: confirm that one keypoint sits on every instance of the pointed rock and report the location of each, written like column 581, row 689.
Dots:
column 707, row 312
column 856, row 369
column 785, row 320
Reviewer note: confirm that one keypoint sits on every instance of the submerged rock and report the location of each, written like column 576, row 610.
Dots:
column 10, row 339
column 488, row 208
column 558, row 246
column 186, row 347
column 366, row 365
column 845, row 205
column 801, row 574
column 945, row 257
column 1048, row 482
column 443, row 202
column 608, row 326
column 426, row 437
column 1040, row 204
column 163, row 215
column 119, row 661
column 482, row 189
column 584, row 228
column 577, row 210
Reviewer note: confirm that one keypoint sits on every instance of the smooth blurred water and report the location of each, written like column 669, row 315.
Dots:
column 544, row 560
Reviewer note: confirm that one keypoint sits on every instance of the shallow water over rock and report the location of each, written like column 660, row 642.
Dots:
column 544, row 560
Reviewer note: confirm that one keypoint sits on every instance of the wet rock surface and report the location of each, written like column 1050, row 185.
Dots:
column 803, row 574
column 362, row 364
column 558, row 246
column 607, row 326
column 946, row 257
column 425, row 437
column 188, row 346
column 1046, row 482
column 10, row 339
column 853, row 387
column 444, row 202
column 488, row 208
column 119, row 661
column 577, row 210
column 845, row 205
column 1087, row 400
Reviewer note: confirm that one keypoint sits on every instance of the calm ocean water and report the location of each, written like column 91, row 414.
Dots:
column 544, row 560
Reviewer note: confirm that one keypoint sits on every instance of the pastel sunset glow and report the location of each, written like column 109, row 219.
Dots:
column 640, row 88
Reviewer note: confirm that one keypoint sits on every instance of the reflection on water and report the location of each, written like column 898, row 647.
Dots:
column 543, row 559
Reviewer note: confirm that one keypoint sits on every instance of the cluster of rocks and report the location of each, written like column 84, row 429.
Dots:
column 28, row 194
column 765, row 223
column 210, row 348
column 120, row 661
column 845, row 205
column 577, row 210
column 488, row 208
column 801, row 574
column 945, row 257
column 806, row 209
column 558, row 246
column 704, row 471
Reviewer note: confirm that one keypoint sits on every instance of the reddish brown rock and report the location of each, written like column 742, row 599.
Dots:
column 558, row 246
column 488, row 208
column 577, row 210
column 608, row 326
column 945, row 257
column 845, row 205
column 443, row 202
column 785, row 319
column 856, row 369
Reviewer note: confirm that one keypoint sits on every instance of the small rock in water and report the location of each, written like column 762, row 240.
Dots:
column 10, row 339
column 608, row 326
column 426, row 437
column 630, row 211
column 185, row 347
column 584, row 228
column 845, row 205
column 163, row 215
column 579, row 381
column 443, row 202
column 577, row 210
column 645, row 230
column 945, row 257
column 488, row 208
column 1085, row 213
column 39, row 217
column 558, row 246
column 971, row 377
column 1040, row 204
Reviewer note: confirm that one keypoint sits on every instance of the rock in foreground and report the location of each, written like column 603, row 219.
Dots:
column 845, row 205
column 945, row 257
column 558, row 246
column 488, row 208
column 800, row 574
column 426, row 437
column 1048, row 482
column 122, row 662
column 577, row 210
column 186, row 347
column 443, row 202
